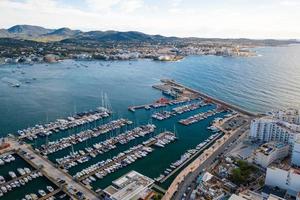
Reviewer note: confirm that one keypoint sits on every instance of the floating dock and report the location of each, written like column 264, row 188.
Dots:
column 168, row 83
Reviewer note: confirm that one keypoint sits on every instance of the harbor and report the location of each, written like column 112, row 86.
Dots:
column 162, row 115
column 198, row 117
column 89, row 149
column 63, row 124
column 22, row 176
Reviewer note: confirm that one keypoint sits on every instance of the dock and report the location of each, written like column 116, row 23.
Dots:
column 147, row 129
column 63, row 124
column 160, row 103
column 50, row 194
column 49, row 170
column 208, row 97
column 18, row 178
column 83, row 136
column 190, row 159
column 198, row 117
column 148, row 144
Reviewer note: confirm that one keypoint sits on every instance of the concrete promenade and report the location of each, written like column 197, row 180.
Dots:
column 51, row 171
column 217, row 101
column 200, row 163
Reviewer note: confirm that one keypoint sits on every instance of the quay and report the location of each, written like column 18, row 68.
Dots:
column 50, row 170
column 203, row 161
column 168, row 83
column 190, row 159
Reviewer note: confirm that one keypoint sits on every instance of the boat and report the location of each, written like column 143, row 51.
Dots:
column 50, row 188
column 12, row 174
column 42, row 193
column 2, row 180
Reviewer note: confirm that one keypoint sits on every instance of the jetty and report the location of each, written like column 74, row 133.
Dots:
column 147, row 144
column 183, row 90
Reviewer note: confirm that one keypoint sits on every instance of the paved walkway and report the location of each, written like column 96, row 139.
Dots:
column 52, row 171
column 201, row 162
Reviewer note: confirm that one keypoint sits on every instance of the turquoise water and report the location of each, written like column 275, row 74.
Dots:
column 51, row 91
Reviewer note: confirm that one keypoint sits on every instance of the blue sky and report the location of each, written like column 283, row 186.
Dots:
column 198, row 18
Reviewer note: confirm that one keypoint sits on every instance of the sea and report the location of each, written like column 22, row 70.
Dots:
column 268, row 81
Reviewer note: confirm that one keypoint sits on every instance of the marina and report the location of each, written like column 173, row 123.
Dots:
column 19, row 180
column 65, row 142
column 160, row 103
column 123, row 159
column 162, row 115
column 186, row 158
column 198, row 117
column 91, row 155
column 103, row 147
column 63, row 124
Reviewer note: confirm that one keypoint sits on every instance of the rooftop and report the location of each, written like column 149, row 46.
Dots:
column 270, row 147
column 129, row 186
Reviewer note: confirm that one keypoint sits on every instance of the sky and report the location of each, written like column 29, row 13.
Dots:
column 256, row 19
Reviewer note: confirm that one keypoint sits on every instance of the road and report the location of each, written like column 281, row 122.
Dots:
column 51, row 171
column 190, row 173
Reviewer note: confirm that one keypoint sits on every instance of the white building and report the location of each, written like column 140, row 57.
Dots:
column 286, row 178
column 296, row 154
column 132, row 185
column 269, row 152
column 270, row 128
column 290, row 115
column 250, row 195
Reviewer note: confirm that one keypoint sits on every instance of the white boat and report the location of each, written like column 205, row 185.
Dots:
column 12, row 174
column 42, row 193
column 50, row 188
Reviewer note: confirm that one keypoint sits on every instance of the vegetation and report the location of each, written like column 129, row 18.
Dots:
column 242, row 174
column 157, row 196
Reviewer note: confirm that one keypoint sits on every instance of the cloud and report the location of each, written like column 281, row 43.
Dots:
column 254, row 19
column 131, row 5
column 107, row 6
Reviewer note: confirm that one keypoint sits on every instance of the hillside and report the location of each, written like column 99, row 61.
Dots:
column 67, row 35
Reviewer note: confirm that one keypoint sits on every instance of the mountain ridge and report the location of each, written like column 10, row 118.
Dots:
column 67, row 35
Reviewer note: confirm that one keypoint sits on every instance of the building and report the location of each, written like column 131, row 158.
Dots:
column 290, row 115
column 132, row 185
column 284, row 177
column 250, row 195
column 269, row 152
column 270, row 128
column 296, row 154
column 209, row 187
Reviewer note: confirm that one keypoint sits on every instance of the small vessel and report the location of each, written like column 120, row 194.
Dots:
column 42, row 193
column 50, row 188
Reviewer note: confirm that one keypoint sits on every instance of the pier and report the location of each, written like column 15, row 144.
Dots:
column 160, row 103
column 50, row 194
column 177, row 111
column 63, row 124
column 198, row 117
column 51, row 171
column 190, row 159
column 146, row 144
column 173, row 83
column 82, row 136
column 108, row 144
